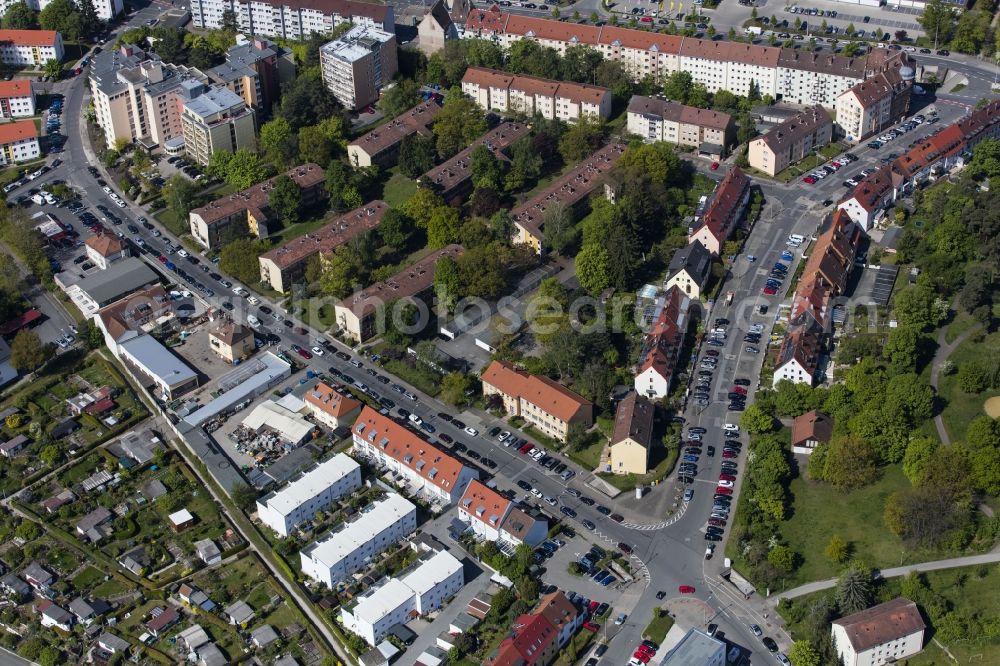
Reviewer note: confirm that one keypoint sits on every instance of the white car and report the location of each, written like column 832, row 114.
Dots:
column 725, row 484
column 182, row 253
column 239, row 291
column 253, row 300
column 318, row 351
column 731, row 427
column 120, row 203
column 536, row 492
column 550, row 500
column 471, row 431
column 107, row 190
column 416, row 420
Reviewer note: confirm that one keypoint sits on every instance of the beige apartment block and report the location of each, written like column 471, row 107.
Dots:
column 655, row 119
column 530, row 95
column 357, row 65
column 791, row 141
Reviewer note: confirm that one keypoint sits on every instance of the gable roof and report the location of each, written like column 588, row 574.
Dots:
column 634, row 420
column 17, row 131
column 812, row 425
column 330, row 236
column 326, row 399
column 413, row 120
column 883, row 623
column 229, row 332
column 131, row 312
column 549, row 396
column 105, row 245
column 662, row 343
column 679, row 113
column 400, row 443
column 694, row 259
column 29, row 37
column 575, row 92
column 802, row 345
column 484, row 504
column 256, row 197
column 518, row 524
column 557, row 609
column 721, row 212
column 792, row 130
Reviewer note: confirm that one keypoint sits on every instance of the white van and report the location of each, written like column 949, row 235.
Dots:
column 796, row 238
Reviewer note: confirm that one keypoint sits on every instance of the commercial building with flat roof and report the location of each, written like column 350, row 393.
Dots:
column 347, row 548
column 157, row 367
column 380, row 146
column 312, row 491
column 791, row 141
column 282, row 266
column 361, row 315
column 697, row 649
column 248, row 212
column 255, row 69
column 494, row 90
column 357, row 64
column 249, row 380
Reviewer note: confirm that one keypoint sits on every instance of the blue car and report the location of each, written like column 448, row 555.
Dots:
column 787, row 256
column 607, row 581
column 690, row 458
column 601, row 573
column 428, row 427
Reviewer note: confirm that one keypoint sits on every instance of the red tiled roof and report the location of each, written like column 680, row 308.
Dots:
column 410, row 281
column 812, row 425
column 883, row 623
column 105, row 245
column 802, row 345
column 547, row 395
column 664, row 339
column 721, row 212
column 484, row 504
column 416, row 119
column 330, row 401
column 29, row 37
column 330, row 236
column 575, row 92
column 15, row 88
column 17, row 131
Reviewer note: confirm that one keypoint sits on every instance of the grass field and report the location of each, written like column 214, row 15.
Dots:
column 657, row 629
column 960, row 407
column 398, row 189
column 86, row 578
column 963, row 321
column 819, row 511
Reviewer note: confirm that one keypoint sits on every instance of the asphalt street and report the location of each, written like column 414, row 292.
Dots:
column 666, row 554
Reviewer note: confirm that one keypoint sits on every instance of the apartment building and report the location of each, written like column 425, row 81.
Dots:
column 420, row 589
column 139, row 98
column 283, row 266
column 572, row 191
column 291, row 19
column 218, row 120
column 380, row 146
column 357, row 64
column 933, row 156
column 494, row 90
column 105, row 250
column 791, row 141
column 798, row 356
column 312, row 491
column 884, row 634
column 247, row 212
column 723, row 213
column 656, row 119
column 544, row 403
column 438, row 476
column 875, row 104
column 330, row 407
column 442, row 23
column 690, row 269
column 661, row 346
column 31, row 48
column 232, row 341
column 255, row 70
column 632, row 437
column 453, row 178
column 798, row 77
column 349, row 546
column 484, row 510
column 361, row 316
column 17, row 99
column 537, row 637
column 18, row 142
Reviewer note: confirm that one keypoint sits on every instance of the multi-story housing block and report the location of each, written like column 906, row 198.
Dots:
column 314, row 490
column 723, row 212
column 884, row 634
column 654, row 119
column 530, row 95
column 17, row 99
column 288, row 19
column 247, row 212
column 661, row 346
column 18, row 142
column 218, row 120
column 874, row 104
column 357, row 64
column 791, row 141
column 374, row 529
column 255, row 70
column 453, row 178
column 31, row 48
column 546, row 404
column 380, row 146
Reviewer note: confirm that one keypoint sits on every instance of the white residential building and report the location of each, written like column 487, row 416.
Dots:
column 661, row 346
column 18, row 142
column 357, row 64
column 484, row 510
column 424, row 589
column 351, row 545
column 31, row 48
column 887, row 633
column 106, row 10
column 313, row 491
column 426, row 468
column 218, row 120
column 291, row 20
column 875, row 104
column 530, row 95
column 798, row 357
column 17, row 99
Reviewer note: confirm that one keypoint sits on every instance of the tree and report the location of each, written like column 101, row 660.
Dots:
column 678, row 86
column 417, row 155
column 53, row 69
column 421, row 205
column 837, row 550
column 581, row 139
column 802, row 653
column 937, row 20
column 244, row 496
column 922, row 516
column 244, row 169
column 399, row 98
column 443, row 226
column 285, row 199
column 902, row 348
column 755, row 421
column 783, row 557
column 278, row 141
column 459, row 122
column 50, row 656
column 854, row 590
column 851, row 463
column 181, row 195
column 592, row 269
column 454, row 386
column 239, row 258
column 972, row 377
column 395, row 229
column 50, row 455
column 918, row 452
column 19, row 17
column 487, row 170
column 27, row 353
column 322, row 142
column 305, row 100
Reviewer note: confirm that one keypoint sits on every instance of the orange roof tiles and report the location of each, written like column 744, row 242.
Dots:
column 15, row 88
column 547, row 395
column 105, row 245
column 326, row 399
column 17, row 131
column 662, row 344
column 404, row 284
column 484, row 504
column 725, row 207
column 812, row 425
column 330, row 236
column 29, row 37
column 400, row 443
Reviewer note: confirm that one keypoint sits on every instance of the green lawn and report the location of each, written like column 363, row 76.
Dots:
column 657, row 629
column 398, row 189
column 86, row 578
column 174, row 224
column 819, row 511
column 963, row 321
column 419, row 375
column 960, row 407
column 588, row 457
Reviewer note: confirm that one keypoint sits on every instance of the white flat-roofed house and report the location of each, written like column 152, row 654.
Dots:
column 346, row 549
column 425, row 467
column 314, row 491
column 883, row 634
column 484, row 510
column 425, row 588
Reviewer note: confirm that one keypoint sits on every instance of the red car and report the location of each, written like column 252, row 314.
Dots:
column 644, row 657
column 304, row 353
column 727, row 477
column 739, row 389
column 594, row 605
column 527, row 447
column 809, row 180
column 715, row 166
column 592, row 626
column 162, row 259
column 646, row 19
column 716, row 522
column 770, row 291
column 728, row 454
column 723, row 491
column 644, row 649
column 685, row 589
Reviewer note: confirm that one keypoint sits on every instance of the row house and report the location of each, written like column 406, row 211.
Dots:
column 723, row 212
column 17, row 99
column 658, row 360
column 312, row 491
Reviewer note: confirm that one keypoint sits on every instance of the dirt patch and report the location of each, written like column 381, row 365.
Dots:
column 992, row 407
